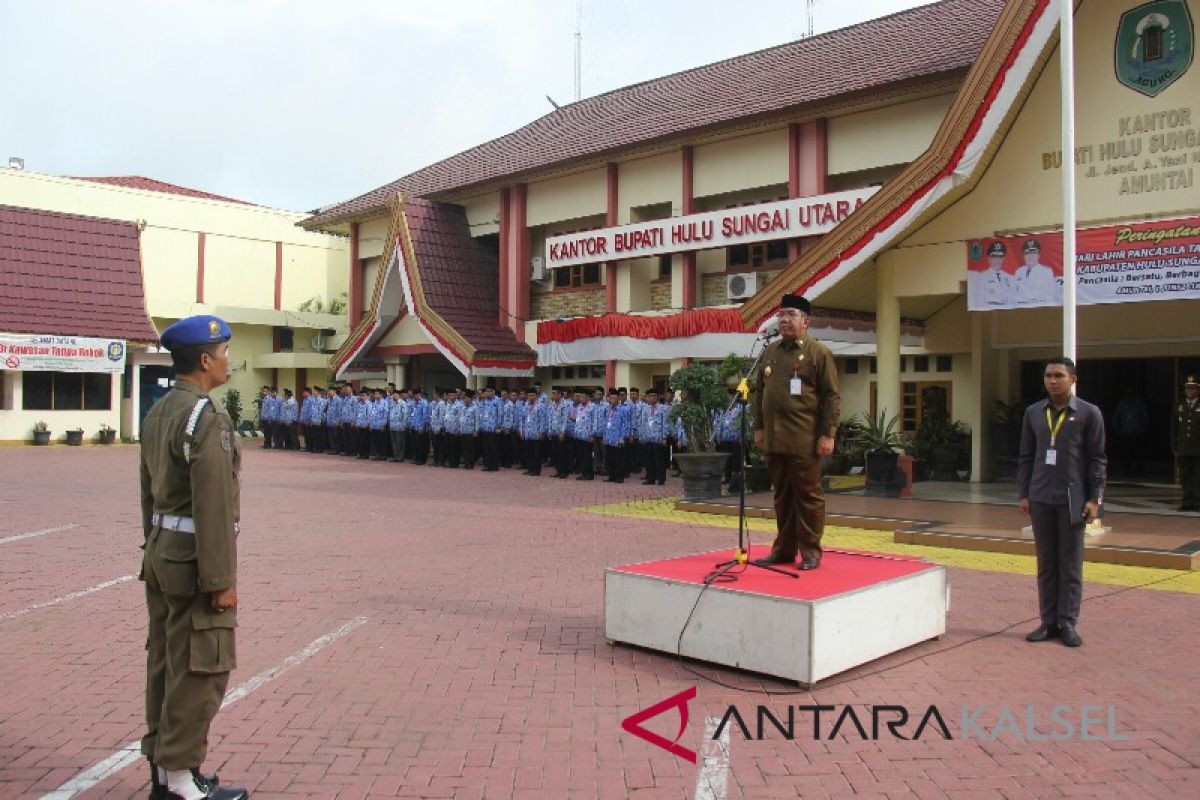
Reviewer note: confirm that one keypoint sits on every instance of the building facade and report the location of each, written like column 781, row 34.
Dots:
column 988, row 189
column 198, row 254
column 636, row 230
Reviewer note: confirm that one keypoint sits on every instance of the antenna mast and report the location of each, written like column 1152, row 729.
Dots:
column 809, row 4
column 578, row 50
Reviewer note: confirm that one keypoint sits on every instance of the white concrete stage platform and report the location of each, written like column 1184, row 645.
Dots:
column 857, row 607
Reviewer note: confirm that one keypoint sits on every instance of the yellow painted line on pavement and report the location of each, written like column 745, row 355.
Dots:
column 762, row 531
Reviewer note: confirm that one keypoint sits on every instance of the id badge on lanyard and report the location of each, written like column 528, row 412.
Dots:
column 1055, row 425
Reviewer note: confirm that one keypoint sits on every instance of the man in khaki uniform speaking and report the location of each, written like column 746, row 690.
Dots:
column 796, row 408
column 189, row 476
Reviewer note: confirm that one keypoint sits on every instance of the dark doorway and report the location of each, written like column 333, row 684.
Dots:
column 1126, row 390
column 152, row 389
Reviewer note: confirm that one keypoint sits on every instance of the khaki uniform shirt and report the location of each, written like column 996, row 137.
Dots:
column 791, row 424
column 1185, row 428
column 202, row 485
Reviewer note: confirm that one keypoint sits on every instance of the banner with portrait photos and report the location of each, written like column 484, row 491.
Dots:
column 1114, row 264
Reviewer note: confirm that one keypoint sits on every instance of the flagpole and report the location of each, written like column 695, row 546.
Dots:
column 1066, row 30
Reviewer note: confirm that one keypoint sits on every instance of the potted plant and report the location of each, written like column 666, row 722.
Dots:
column 233, row 406
column 757, row 477
column 701, row 394
column 75, row 437
column 881, row 442
column 934, row 448
column 846, row 450
column 41, row 433
column 106, row 435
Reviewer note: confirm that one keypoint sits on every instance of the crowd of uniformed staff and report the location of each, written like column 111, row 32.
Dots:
column 576, row 432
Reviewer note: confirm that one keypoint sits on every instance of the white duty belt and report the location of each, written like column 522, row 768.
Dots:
column 171, row 522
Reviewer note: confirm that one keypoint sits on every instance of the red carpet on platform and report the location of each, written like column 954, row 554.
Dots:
column 841, row 571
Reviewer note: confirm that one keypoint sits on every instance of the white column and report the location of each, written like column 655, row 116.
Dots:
column 983, row 377
column 677, row 281
column 1067, row 80
column 135, row 424
column 887, row 340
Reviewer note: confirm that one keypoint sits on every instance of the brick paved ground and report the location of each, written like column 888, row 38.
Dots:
column 482, row 670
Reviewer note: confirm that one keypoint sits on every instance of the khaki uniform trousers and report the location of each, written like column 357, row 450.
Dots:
column 799, row 505
column 190, row 651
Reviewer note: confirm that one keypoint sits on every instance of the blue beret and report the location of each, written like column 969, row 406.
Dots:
column 201, row 329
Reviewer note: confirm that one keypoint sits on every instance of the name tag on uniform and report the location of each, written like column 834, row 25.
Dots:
column 1052, row 457
column 797, row 386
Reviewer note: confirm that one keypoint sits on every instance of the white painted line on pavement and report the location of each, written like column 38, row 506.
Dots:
column 267, row 675
column 714, row 763
column 132, row 752
column 96, row 773
column 66, row 597
column 18, row 537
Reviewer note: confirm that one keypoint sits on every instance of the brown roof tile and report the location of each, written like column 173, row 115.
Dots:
column 460, row 277
column 71, row 276
column 920, row 43
column 151, row 185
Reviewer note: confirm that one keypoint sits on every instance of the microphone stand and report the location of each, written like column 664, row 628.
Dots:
column 741, row 556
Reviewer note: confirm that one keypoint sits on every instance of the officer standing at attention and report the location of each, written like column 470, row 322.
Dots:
column 333, row 421
column 287, row 419
column 556, row 423
column 1185, row 443
column 652, row 435
column 489, row 421
column 190, row 510
column 437, row 425
column 349, row 419
column 616, row 435
column 468, row 430
column 397, row 425
column 796, row 410
column 581, row 435
column 1061, row 472
column 453, row 428
column 534, row 424
column 268, row 418
column 303, row 418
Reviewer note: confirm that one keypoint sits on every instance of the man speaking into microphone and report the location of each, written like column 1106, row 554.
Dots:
column 796, row 406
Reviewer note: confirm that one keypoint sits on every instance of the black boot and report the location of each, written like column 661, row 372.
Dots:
column 158, row 790
column 211, row 790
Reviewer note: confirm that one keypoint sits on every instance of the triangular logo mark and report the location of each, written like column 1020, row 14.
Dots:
column 633, row 724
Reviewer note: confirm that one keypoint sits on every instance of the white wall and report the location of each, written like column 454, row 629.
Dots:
column 16, row 424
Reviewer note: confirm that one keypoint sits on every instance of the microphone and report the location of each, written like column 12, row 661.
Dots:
column 770, row 332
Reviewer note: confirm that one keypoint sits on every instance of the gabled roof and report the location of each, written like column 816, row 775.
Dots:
column 450, row 282
column 919, row 43
column 984, row 109
column 67, row 275
column 151, row 185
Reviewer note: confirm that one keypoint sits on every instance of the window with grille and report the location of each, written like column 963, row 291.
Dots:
column 66, row 391
column 759, row 254
column 576, row 277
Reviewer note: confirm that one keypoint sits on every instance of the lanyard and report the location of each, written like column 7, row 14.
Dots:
column 1055, row 425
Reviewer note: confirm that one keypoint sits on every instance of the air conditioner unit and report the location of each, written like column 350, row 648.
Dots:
column 742, row 285
column 537, row 269
column 321, row 343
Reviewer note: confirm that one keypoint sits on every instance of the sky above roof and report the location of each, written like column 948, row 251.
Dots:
column 298, row 104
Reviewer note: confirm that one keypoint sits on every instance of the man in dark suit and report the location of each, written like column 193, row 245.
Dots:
column 1185, row 443
column 1061, row 473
